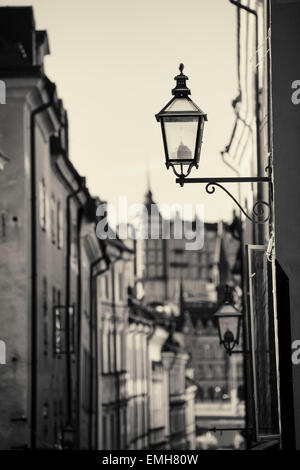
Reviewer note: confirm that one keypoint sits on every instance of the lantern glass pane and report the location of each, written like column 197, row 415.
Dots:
column 229, row 323
column 181, row 133
column 201, row 124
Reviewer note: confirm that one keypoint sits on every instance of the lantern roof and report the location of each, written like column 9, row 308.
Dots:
column 228, row 310
column 178, row 107
column 181, row 104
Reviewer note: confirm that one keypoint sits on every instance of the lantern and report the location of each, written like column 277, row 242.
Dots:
column 182, row 123
column 229, row 322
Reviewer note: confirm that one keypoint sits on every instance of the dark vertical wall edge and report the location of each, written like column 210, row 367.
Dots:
column 285, row 363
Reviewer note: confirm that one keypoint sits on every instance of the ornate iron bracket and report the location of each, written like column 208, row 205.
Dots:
column 261, row 211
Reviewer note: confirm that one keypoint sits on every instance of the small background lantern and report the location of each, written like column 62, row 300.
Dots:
column 182, row 123
column 229, row 322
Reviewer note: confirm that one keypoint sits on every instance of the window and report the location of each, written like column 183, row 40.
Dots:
column 112, row 431
column 71, row 330
column 200, row 372
column 119, row 351
column 220, row 371
column 159, row 270
column 207, row 351
column 199, row 394
column 123, row 428
column 104, row 430
column 224, row 394
column 123, row 351
column 240, row 371
column 59, row 221
column 112, row 351
column 151, row 270
column 61, row 410
column 43, row 204
column 58, row 297
column 45, row 413
column 241, row 392
column 151, row 256
column 211, row 393
column 86, row 379
column 45, row 316
column 150, row 244
column 120, row 285
column 106, row 286
column 55, row 408
column 52, row 219
column 45, row 410
column 159, row 256
column 59, row 327
column 74, row 254
column 57, row 331
column 105, row 351
column 209, row 372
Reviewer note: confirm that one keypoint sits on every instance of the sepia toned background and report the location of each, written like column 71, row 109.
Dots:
column 117, row 343
column 114, row 64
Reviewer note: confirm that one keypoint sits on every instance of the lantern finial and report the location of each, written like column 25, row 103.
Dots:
column 181, row 90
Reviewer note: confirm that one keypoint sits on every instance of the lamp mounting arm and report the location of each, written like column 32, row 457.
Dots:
column 258, row 212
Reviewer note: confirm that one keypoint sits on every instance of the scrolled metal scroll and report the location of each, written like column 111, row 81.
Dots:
column 259, row 208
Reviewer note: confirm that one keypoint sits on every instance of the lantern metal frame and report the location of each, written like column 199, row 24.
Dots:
column 182, row 92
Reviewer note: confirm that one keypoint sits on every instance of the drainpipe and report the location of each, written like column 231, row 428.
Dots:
column 257, row 106
column 68, row 295
column 34, row 289
column 79, row 316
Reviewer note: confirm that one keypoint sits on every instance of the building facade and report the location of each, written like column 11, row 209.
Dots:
column 47, row 220
column 264, row 142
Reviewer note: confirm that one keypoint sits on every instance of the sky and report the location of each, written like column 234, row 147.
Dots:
column 114, row 64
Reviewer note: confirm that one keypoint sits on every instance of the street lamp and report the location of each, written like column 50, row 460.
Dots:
column 229, row 322
column 182, row 123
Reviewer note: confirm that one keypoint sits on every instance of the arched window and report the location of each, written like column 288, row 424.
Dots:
column 225, row 395
column 200, row 394
column 241, row 392
column 211, row 393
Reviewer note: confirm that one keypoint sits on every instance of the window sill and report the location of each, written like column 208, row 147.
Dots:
column 272, row 444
